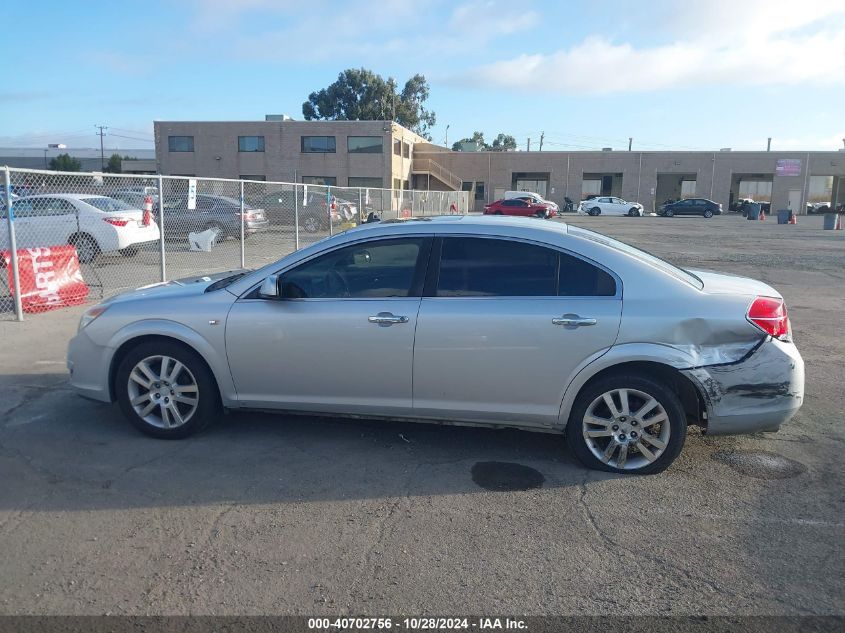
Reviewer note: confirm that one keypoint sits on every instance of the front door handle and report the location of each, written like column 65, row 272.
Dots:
column 573, row 320
column 387, row 318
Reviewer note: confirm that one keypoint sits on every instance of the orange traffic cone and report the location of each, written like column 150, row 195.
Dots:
column 148, row 211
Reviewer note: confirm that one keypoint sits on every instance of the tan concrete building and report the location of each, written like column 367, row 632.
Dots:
column 384, row 154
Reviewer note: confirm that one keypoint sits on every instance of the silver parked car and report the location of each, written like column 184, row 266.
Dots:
column 473, row 320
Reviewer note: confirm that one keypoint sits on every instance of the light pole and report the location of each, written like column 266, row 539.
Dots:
column 446, row 142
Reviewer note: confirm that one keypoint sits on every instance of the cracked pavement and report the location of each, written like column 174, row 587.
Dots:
column 293, row 515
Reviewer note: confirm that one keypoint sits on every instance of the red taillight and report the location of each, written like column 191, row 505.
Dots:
column 117, row 221
column 248, row 215
column 769, row 314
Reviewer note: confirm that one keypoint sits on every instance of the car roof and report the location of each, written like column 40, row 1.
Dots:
column 446, row 223
column 74, row 196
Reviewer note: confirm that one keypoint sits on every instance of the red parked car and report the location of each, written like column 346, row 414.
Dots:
column 518, row 206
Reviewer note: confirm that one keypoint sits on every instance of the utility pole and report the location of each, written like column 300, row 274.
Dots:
column 446, row 142
column 542, row 135
column 769, row 145
column 528, row 149
column 101, row 134
column 630, row 142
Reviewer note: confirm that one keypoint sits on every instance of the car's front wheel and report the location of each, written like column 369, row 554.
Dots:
column 166, row 390
column 668, row 213
column 627, row 424
column 634, row 212
column 708, row 213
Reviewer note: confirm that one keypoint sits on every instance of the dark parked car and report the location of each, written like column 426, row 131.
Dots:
column 212, row 212
column 691, row 206
column 281, row 207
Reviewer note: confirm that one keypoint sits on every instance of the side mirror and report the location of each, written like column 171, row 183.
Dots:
column 270, row 287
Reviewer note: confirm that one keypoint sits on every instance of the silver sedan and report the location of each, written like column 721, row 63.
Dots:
column 473, row 320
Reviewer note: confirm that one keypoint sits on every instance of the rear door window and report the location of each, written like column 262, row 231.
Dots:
column 480, row 267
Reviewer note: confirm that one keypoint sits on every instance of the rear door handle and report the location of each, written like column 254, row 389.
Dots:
column 387, row 318
column 573, row 320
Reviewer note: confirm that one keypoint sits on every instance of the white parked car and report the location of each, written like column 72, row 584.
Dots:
column 93, row 224
column 535, row 198
column 610, row 205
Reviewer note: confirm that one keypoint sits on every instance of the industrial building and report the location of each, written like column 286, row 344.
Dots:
column 385, row 154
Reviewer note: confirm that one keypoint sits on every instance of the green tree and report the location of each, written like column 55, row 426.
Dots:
column 113, row 166
column 477, row 138
column 362, row 95
column 65, row 162
column 503, row 143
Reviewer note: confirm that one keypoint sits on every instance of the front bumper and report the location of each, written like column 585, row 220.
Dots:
column 760, row 392
column 88, row 364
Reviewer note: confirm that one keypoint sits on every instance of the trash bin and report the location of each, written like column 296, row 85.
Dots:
column 783, row 216
column 830, row 221
column 754, row 211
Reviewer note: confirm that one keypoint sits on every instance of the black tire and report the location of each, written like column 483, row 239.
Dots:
column 208, row 407
column 311, row 224
column 595, row 211
column 664, row 395
column 633, row 212
column 86, row 246
column 708, row 213
column 668, row 213
column 540, row 214
column 129, row 251
column 497, row 213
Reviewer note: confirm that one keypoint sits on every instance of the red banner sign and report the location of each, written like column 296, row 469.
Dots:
column 50, row 277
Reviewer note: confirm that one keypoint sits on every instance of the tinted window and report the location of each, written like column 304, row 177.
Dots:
column 318, row 144
column 477, row 267
column 581, row 279
column 180, row 143
column 364, row 144
column 385, row 268
column 250, row 143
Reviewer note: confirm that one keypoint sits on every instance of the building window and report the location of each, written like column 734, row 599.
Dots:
column 397, row 183
column 479, row 191
column 406, row 150
column 397, row 147
column 364, row 144
column 180, row 143
column 250, row 143
column 253, row 177
column 326, row 181
column 406, row 185
column 366, row 181
column 319, row 145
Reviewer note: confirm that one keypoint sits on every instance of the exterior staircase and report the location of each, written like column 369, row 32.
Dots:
column 427, row 166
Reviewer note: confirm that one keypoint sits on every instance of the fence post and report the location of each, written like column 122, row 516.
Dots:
column 243, row 230
column 13, row 247
column 296, row 215
column 162, row 263
column 329, row 208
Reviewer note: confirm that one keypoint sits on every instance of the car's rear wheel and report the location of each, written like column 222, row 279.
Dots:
column 311, row 224
column 668, row 213
column 627, row 424
column 129, row 251
column 87, row 248
column 166, row 390
column 595, row 211
column 708, row 213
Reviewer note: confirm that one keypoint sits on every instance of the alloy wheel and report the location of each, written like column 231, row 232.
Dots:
column 163, row 392
column 626, row 428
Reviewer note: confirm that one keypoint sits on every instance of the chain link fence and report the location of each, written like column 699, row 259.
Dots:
column 73, row 238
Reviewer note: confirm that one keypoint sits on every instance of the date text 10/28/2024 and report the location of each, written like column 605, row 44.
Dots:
column 415, row 624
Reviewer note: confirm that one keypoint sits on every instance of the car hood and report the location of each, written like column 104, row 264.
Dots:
column 725, row 283
column 185, row 287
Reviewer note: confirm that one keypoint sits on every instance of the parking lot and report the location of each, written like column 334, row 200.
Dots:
column 293, row 515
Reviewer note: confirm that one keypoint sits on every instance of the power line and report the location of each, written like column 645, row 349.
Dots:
column 101, row 134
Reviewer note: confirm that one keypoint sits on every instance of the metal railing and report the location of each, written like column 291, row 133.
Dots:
column 71, row 237
column 429, row 166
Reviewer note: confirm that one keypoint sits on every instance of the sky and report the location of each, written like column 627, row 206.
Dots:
column 703, row 74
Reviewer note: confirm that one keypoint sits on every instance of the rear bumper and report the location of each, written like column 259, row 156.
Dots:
column 759, row 393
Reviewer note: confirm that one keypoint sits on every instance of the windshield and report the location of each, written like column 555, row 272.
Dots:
column 662, row 264
column 107, row 204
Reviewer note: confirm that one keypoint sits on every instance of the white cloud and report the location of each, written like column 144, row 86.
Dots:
column 776, row 43
column 489, row 18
